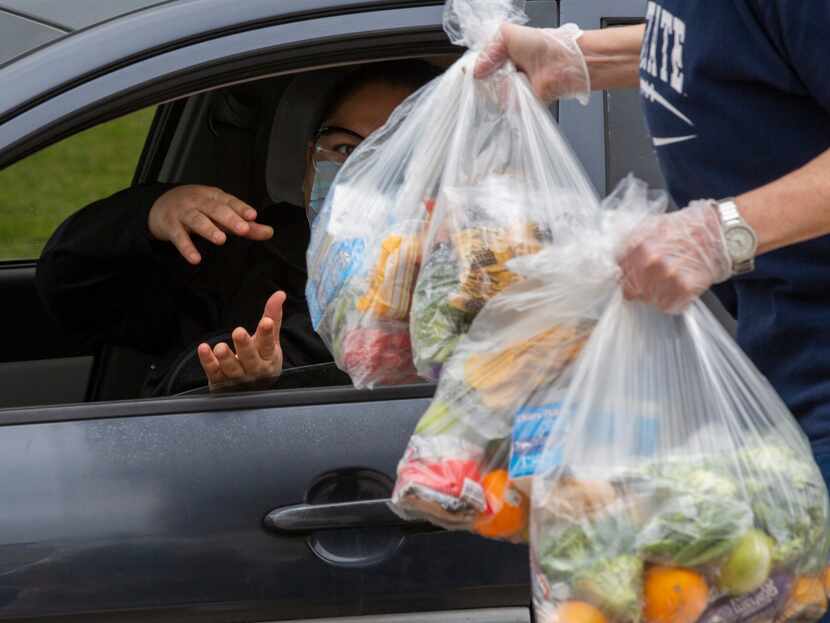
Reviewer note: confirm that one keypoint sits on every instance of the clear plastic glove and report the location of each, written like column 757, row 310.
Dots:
column 673, row 258
column 551, row 58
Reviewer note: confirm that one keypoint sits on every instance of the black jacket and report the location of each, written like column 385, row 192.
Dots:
column 105, row 280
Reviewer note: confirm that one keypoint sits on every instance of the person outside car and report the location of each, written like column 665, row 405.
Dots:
column 738, row 107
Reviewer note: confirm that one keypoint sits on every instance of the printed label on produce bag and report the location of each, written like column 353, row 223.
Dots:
column 473, row 493
column 338, row 264
column 531, row 429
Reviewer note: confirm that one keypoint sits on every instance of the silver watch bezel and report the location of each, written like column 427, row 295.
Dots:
column 731, row 220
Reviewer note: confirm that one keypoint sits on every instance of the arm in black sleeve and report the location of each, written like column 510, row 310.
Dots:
column 104, row 278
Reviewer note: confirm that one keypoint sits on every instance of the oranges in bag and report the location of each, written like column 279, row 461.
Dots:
column 577, row 612
column 674, row 595
column 507, row 508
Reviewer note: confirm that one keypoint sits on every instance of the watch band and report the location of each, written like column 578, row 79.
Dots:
column 730, row 218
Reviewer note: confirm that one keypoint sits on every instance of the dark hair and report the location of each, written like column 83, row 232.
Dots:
column 408, row 73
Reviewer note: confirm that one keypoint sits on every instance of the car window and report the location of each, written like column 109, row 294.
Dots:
column 39, row 192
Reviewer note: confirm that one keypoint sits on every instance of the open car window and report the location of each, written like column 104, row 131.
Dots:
column 40, row 191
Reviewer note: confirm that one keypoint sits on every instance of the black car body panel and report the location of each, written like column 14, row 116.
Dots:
column 151, row 512
column 154, row 509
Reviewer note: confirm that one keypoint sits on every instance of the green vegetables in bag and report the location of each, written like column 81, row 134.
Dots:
column 699, row 517
column 614, row 584
column 789, row 505
column 436, row 326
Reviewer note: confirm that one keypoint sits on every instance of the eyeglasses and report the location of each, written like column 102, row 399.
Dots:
column 334, row 144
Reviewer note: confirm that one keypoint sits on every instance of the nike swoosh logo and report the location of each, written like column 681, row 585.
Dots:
column 651, row 94
column 669, row 140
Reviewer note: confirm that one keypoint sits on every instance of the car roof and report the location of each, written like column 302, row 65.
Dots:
column 29, row 24
column 71, row 15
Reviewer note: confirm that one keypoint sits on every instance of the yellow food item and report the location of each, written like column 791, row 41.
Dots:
column 509, row 507
column 503, row 376
column 807, row 601
column 483, row 254
column 577, row 612
column 674, row 595
column 393, row 278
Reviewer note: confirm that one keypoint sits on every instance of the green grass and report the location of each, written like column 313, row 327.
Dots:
column 39, row 192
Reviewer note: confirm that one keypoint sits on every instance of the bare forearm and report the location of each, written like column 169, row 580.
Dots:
column 791, row 209
column 613, row 56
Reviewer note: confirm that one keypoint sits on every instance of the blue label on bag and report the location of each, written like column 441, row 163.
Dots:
column 532, row 427
column 338, row 265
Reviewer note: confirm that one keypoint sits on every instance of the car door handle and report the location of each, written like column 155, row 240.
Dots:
column 305, row 518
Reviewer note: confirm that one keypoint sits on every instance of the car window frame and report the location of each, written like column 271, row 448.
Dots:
column 413, row 31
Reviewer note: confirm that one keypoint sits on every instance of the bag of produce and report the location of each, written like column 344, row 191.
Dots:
column 470, row 460
column 675, row 487
column 423, row 218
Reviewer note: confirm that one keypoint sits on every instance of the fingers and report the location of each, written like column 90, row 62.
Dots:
column 230, row 365
column 268, row 331
column 656, row 277
column 494, row 55
column 181, row 240
column 273, row 308
column 221, row 213
column 236, row 216
column 258, row 231
column 246, row 351
column 200, row 224
column 204, row 211
column 266, row 339
column 240, row 207
column 210, row 365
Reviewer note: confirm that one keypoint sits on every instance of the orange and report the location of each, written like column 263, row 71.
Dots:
column 506, row 513
column 674, row 595
column 826, row 580
column 807, row 601
column 577, row 612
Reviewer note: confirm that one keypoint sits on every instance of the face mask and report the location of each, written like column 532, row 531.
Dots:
column 324, row 175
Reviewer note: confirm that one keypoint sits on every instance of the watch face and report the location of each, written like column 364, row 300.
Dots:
column 741, row 243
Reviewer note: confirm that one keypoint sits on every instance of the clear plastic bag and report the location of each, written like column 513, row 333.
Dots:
column 675, row 486
column 470, row 460
column 425, row 213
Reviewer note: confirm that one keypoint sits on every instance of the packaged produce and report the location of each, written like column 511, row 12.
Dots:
column 424, row 217
column 471, row 458
column 674, row 486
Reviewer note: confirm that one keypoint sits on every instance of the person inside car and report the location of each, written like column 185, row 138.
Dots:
column 162, row 268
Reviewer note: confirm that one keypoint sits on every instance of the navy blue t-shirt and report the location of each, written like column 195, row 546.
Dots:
column 737, row 94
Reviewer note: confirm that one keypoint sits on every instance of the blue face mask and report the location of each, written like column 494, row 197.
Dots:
column 324, row 174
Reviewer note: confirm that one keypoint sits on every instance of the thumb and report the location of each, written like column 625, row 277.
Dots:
column 273, row 309
column 494, row 55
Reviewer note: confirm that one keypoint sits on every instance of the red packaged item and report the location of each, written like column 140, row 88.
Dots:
column 380, row 355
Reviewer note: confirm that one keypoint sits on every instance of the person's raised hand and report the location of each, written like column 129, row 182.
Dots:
column 257, row 357
column 673, row 258
column 550, row 57
column 205, row 211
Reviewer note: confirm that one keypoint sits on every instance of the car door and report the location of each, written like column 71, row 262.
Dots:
column 223, row 508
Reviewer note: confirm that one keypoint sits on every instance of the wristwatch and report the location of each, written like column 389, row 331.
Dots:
column 741, row 240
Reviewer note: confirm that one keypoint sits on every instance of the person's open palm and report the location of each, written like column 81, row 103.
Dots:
column 256, row 357
column 205, row 211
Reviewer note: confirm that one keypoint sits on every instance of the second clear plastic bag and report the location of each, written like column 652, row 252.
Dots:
column 415, row 235
column 675, row 486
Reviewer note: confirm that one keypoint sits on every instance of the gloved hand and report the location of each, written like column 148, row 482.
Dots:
column 674, row 258
column 551, row 58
